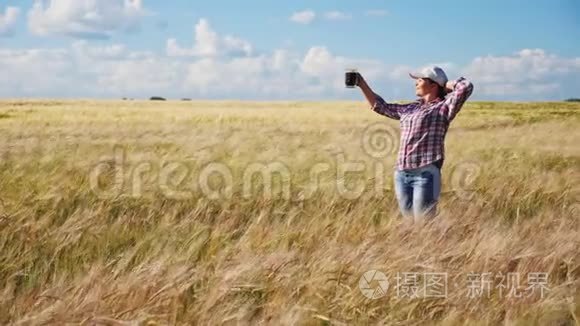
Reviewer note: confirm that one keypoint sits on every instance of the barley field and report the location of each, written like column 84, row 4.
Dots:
column 273, row 213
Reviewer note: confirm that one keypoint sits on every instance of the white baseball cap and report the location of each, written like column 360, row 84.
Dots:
column 432, row 72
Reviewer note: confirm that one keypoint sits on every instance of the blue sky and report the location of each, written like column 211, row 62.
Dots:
column 513, row 50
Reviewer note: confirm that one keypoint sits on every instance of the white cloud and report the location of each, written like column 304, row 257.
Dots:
column 110, row 52
column 143, row 76
column 206, row 39
column 173, row 49
column 377, row 12
column 400, row 72
column 84, row 18
column 222, row 66
column 35, row 72
column 337, row 15
column 209, row 44
column 236, row 46
column 328, row 69
column 318, row 61
column 85, row 70
column 8, row 20
column 529, row 71
column 303, row 17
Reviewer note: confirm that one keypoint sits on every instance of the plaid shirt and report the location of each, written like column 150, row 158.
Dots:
column 424, row 125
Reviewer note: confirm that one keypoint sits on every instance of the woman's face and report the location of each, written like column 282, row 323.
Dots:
column 424, row 86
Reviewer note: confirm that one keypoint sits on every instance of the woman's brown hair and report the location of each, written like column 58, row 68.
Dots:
column 441, row 91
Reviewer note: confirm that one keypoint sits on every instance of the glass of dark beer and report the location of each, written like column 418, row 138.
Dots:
column 351, row 78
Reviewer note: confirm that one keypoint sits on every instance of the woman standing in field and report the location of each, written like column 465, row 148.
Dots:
column 424, row 124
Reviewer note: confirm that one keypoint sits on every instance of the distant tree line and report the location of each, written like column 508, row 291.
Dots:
column 156, row 98
column 573, row 100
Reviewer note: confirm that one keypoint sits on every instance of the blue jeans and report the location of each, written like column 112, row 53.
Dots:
column 417, row 191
